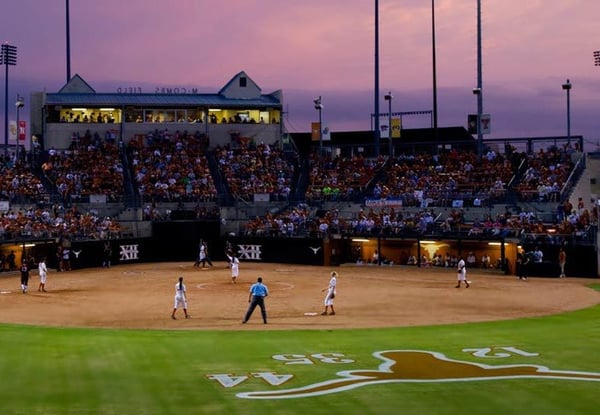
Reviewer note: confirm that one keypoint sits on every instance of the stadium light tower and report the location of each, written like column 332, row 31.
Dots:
column 597, row 58
column 8, row 57
column 567, row 87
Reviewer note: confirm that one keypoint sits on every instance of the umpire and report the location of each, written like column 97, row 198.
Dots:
column 257, row 295
column 522, row 264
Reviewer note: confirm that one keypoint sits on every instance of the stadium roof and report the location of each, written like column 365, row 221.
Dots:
column 240, row 91
column 158, row 100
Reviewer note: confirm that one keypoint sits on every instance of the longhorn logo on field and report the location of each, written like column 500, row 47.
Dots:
column 418, row 366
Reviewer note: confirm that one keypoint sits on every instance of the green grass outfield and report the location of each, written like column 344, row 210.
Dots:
column 84, row 371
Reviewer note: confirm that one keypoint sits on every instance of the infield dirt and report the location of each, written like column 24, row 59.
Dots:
column 140, row 296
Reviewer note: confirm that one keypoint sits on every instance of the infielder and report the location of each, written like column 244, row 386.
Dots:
column 203, row 257
column 43, row 273
column 180, row 299
column 330, row 294
column 462, row 273
column 234, row 263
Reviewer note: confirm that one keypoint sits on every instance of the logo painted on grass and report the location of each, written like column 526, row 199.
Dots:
column 408, row 366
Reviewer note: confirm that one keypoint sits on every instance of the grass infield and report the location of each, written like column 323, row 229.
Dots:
column 88, row 371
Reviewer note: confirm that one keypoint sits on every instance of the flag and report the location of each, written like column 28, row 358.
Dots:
column 384, row 128
column 21, row 130
column 326, row 134
column 315, row 129
column 396, row 128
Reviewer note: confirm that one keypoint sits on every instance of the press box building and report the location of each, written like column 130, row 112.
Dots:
column 239, row 110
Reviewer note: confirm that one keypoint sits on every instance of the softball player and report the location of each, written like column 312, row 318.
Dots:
column 180, row 299
column 330, row 294
column 24, row 276
column 203, row 257
column 43, row 273
column 235, row 268
column 462, row 273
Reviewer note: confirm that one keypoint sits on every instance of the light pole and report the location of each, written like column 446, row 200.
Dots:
column 8, row 57
column 19, row 104
column 479, row 88
column 433, row 52
column 377, row 97
column 567, row 87
column 388, row 97
column 319, row 108
column 477, row 93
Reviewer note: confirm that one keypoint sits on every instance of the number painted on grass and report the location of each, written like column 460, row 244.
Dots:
column 228, row 380
column 272, row 378
column 486, row 352
column 300, row 359
column 293, row 359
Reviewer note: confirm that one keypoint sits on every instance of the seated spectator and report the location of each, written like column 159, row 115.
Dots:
column 471, row 260
column 486, row 261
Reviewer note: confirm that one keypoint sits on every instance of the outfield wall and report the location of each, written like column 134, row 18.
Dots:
column 179, row 241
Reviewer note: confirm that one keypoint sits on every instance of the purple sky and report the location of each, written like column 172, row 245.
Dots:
column 326, row 47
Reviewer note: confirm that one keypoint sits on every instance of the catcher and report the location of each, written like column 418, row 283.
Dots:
column 330, row 294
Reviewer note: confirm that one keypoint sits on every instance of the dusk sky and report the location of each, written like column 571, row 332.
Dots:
column 326, row 47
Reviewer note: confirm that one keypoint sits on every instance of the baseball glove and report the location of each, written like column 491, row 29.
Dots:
column 332, row 296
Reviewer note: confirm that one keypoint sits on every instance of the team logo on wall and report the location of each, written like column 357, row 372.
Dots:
column 129, row 252
column 253, row 252
column 315, row 249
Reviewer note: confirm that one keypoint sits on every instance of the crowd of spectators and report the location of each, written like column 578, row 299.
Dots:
column 172, row 168
column 90, row 167
column 546, row 173
column 255, row 169
column 152, row 212
column 285, row 223
column 438, row 179
column 339, row 178
column 390, row 221
column 56, row 222
column 19, row 185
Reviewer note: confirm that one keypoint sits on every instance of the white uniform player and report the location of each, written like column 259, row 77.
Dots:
column 462, row 273
column 331, row 293
column 180, row 299
column 43, row 273
column 235, row 268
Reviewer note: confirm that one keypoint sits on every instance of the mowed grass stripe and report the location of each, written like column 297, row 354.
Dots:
column 81, row 371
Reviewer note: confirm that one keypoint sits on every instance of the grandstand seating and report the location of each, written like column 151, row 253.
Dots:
column 500, row 195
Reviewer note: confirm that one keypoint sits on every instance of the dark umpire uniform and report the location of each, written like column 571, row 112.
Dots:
column 257, row 295
column 522, row 262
